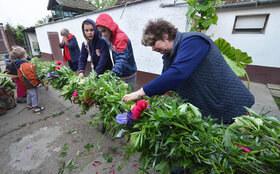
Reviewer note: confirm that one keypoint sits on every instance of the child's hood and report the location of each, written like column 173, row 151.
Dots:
column 18, row 62
column 96, row 33
column 107, row 21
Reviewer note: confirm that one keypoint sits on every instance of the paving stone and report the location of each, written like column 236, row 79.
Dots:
column 273, row 86
column 275, row 93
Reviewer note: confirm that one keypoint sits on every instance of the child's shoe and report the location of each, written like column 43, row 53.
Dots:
column 38, row 109
column 29, row 107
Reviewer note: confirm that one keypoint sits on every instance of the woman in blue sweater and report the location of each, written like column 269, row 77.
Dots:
column 194, row 67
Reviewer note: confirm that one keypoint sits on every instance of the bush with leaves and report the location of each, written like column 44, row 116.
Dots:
column 166, row 131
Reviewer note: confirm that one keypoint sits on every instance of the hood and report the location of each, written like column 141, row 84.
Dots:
column 18, row 62
column 96, row 33
column 108, row 22
column 118, row 38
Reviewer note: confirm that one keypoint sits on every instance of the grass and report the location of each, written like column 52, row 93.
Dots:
column 277, row 101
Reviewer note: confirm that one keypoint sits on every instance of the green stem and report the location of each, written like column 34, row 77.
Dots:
column 248, row 80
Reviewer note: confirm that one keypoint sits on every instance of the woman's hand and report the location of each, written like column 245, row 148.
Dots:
column 134, row 95
column 81, row 74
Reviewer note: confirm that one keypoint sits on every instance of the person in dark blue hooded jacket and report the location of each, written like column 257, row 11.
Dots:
column 96, row 47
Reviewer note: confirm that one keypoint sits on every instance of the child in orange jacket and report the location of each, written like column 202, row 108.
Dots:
column 27, row 76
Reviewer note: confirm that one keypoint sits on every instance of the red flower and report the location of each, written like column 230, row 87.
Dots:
column 59, row 62
column 75, row 97
column 57, row 67
column 139, row 107
column 246, row 149
column 89, row 100
column 75, row 94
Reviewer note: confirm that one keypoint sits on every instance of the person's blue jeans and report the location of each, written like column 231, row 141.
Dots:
column 131, row 82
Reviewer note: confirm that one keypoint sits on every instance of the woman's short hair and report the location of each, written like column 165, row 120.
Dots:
column 64, row 32
column 17, row 53
column 155, row 29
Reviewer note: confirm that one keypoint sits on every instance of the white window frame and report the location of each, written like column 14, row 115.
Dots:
column 250, row 30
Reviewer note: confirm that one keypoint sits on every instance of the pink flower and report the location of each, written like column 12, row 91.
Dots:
column 75, row 94
column 75, row 97
column 246, row 149
column 139, row 107
column 59, row 62
column 57, row 67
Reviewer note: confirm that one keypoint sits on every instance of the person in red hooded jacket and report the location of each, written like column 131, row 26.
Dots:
column 124, row 62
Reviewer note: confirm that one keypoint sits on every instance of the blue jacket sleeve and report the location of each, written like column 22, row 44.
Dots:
column 104, row 57
column 190, row 53
column 83, row 58
column 72, row 43
column 120, row 62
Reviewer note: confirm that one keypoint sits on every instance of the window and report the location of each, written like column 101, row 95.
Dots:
column 250, row 24
column 57, row 14
column 67, row 14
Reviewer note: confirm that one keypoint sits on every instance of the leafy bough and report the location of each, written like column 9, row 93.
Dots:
column 170, row 132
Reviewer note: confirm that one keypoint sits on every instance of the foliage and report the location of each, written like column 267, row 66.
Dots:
column 169, row 132
column 203, row 13
column 261, row 135
column 16, row 33
column 53, row 73
column 235, row 58
column 44, row 20
column 103, row 3
column 5, row 81
column 277, row 101
column 2, row 105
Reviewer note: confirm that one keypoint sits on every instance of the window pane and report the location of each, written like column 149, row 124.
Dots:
column 250, row 22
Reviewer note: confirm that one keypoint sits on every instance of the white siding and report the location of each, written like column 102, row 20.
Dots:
column 263, row 48
column 132, row 22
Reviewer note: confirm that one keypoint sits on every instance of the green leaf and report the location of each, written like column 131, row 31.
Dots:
column 239, row 71
column 63, row 154
column 72, row 131
column 110, row 159
column 65, row 147
column 227, row 139
column 88, row 147
column 162, row 167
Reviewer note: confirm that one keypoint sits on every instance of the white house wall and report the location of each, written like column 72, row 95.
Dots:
column 263, row 48
column 131, row 19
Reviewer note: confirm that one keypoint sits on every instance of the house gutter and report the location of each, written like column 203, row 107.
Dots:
column 242, row 4
column 172, row 5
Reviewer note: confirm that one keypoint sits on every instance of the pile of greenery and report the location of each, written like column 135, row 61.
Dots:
column 166, row 131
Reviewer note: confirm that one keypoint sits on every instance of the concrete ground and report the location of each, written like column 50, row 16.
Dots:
column 33, row 143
